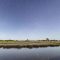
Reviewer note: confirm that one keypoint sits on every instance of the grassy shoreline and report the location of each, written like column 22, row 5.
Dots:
column 28, row 43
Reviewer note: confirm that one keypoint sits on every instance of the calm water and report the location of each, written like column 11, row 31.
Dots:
column 49, row 53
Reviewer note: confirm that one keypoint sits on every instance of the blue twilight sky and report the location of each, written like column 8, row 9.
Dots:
column 33, row 19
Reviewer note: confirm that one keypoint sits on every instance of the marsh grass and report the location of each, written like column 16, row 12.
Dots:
column 28, row 43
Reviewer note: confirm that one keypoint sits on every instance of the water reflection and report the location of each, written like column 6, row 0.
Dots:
column 48, row 53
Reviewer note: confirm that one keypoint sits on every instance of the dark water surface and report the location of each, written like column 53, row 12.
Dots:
column 48, row 53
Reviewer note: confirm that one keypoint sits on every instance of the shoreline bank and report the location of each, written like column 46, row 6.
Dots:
column 28, row 43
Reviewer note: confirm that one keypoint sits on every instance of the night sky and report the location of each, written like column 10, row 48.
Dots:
column 32, row 19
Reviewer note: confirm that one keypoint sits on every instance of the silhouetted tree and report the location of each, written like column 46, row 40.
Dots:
column 47, row 39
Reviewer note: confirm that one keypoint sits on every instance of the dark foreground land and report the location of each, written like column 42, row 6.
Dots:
column 28, row 43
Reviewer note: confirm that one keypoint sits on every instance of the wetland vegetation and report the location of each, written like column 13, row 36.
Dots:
column 28, row 43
